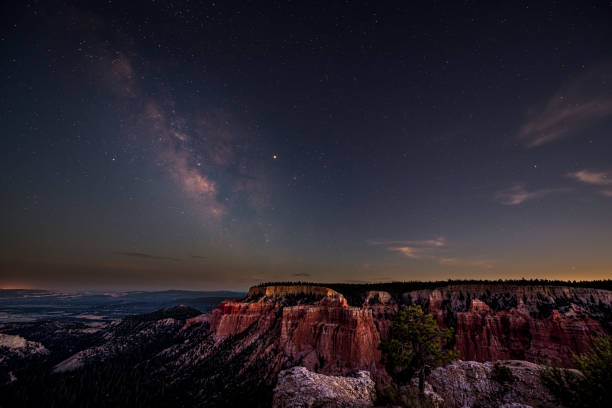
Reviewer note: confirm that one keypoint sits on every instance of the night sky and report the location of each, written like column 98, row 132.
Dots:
column 170, row 144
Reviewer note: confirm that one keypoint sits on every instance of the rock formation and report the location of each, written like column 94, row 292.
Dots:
column 325, row 335
column 300, row 388
column 233, row 355
column 536, row 323
column 314, row 327
column 16, row 350
column 18, row 346
column 279, row 291
column 474, row 384
column 507, row 384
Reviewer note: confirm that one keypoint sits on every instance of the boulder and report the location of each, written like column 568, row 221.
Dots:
column 492, row 384
column 300, row 388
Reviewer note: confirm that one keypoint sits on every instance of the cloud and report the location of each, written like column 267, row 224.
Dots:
column 199, row 257
column 437, row 242
column 143, row 255
column 410, row 252
column 433, row 250
column 414, row 249
column 301, row 274
column 518, row 194
column 573, row 108
column 600, row 178
column 596, row 178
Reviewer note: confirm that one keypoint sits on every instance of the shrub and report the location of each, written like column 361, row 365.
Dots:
column 590, row 387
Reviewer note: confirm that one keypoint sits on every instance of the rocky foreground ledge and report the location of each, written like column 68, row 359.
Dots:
column 298, row 387
column 460, row 384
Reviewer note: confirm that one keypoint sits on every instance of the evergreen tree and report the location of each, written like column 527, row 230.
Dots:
column 417, row 345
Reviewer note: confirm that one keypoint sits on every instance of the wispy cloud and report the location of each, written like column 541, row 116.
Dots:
column 301, row 274
column 437, row 242
column 595, row 178
column 410, row 252
column 600, row 178
column 143, row 255
column 573, row 108
column 518, row 194
column 415, row 249
column 432, row 250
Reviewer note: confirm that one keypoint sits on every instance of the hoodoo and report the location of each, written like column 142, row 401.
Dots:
column 312, row 326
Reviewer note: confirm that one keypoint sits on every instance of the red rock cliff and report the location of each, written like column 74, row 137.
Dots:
column 316, row 328
column 535, row 323
column 324, row 335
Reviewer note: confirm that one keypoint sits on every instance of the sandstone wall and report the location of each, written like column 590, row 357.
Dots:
column 536, row 323
column 493, row 322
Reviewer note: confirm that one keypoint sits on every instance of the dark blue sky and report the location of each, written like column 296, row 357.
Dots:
column 185, row 145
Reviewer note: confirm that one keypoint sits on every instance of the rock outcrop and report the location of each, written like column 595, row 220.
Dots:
column 277, row 291
column 314, row 327
column 536, row 323
column 18, row 346
column 383, row 308
column 324, row 334
column 17, row 351
column 503, row 383
column 300, row 388
column 507, row 384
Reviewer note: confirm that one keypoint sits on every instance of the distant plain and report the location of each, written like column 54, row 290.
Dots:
column 29, row 305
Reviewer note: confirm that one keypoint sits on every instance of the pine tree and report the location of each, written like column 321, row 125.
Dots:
column 417, row 345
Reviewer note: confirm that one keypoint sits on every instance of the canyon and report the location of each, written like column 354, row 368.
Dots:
column 233, row 355
column 543, row 324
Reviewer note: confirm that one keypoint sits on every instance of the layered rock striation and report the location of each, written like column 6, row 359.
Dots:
column 324, row 334
column 536, row 323
column 314, row 327
column 283, row 291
